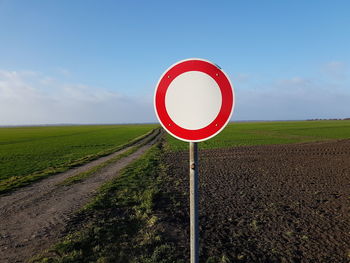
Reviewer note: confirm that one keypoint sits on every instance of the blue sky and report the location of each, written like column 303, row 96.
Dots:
column 98, row 61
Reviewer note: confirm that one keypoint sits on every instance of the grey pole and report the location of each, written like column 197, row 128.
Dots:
column 194, row 238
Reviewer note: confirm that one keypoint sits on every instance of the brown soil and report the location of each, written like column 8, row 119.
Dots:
column 278, row 203
column 33, row 218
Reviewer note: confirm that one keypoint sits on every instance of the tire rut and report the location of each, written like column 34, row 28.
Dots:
column 33, row 217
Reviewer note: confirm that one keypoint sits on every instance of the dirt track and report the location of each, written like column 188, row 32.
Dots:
column 32, row 218
column 278, row 203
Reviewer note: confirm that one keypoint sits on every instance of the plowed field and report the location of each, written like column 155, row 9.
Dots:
column 276, row 203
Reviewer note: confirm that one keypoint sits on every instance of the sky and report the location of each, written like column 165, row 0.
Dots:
column 98, row 61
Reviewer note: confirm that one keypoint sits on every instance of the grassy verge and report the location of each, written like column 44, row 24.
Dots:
column 83, row 175
column 121, row 223
column 15, row 182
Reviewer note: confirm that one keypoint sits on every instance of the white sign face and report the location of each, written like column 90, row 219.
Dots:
column 194, row 100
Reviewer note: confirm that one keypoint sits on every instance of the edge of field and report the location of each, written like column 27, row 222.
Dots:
column 123, row 223
column 16, row 182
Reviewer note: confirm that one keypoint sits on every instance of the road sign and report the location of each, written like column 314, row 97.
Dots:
column 194, row 100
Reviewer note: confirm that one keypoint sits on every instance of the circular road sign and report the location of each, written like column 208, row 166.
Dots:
column 194, row 100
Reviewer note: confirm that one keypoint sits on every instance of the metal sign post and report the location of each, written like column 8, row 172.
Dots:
column 194, row 202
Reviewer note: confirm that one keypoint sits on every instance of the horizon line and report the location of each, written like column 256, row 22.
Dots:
column 145, row 123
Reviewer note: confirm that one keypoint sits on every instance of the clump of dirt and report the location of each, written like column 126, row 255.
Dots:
column 277, row 203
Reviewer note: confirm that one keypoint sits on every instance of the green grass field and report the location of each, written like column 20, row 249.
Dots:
column 259, row 133
column 28, row 150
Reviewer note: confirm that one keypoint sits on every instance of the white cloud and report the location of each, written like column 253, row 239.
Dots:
column 32, row 98
column 292, row 99
column 241, row 77
column 336, row 69
column 64, row 72
column 28, row 97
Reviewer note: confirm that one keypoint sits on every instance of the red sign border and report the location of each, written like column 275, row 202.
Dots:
column 224, row 114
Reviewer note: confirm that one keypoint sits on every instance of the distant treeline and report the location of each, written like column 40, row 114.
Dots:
column 345, row 119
